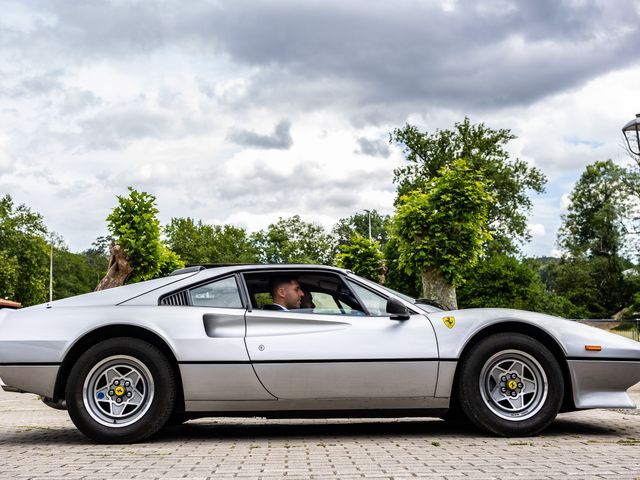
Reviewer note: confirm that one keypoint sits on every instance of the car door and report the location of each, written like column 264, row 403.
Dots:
column 214, row 364
column 343, row 353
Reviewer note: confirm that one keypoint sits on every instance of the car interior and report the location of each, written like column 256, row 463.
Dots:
column 329, row 294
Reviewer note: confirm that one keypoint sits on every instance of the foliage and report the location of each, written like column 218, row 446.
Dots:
column 502, row 281
column 344, row 230
column 101, row 246
column 291, row 240
column 594, row 224
column 507, row 180
column 592, row 236
column 198, row 243
column 396, row 277
column 24, row 266
column 134, row 225
column 361, row 256
column 445, row 228
column 584, row 282
column 168, row 262
column 76, row 273
column 505, row 281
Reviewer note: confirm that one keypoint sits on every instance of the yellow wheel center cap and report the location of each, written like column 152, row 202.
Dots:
column 511, row 385
column 119, row 391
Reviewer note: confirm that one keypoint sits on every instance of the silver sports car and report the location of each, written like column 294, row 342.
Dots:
column 236, row 340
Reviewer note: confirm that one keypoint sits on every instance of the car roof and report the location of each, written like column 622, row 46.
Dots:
column 217, row 269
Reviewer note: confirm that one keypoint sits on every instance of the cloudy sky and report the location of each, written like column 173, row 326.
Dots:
column 244, row 111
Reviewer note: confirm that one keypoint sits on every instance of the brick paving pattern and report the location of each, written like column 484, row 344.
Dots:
column 37, row 442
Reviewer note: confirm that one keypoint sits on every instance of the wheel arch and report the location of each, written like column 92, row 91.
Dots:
column 112, row 331
column 533, row 331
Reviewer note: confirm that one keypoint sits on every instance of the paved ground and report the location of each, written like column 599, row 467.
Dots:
column 38, row 442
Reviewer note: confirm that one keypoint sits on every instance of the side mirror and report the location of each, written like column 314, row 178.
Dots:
column 396, row 310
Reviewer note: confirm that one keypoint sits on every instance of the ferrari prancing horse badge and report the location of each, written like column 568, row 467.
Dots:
column 449, row 321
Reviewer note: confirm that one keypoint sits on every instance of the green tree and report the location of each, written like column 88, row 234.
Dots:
column 75, row 273
column 291, row 240
column 592, row 236
column 395, row 276
column 199, row 243
column 507, row 180
column 134, row 225
column 553, row 302
column 361, row 256
column 441, row 233
column 575, row 280
column 594, row 224
column 502, row 281
column 24, row 265
column 344, row 230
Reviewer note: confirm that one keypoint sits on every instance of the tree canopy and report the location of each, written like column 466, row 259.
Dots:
column 508, row 180
column 594, row 224
column 592, row 236
column 24, row 266
column 200, row 243
column 362, row 256
column 292, row 240
column 344, row 230
column 441, row 229
column 134, row 225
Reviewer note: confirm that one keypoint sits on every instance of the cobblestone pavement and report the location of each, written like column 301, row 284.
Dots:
column 41, row 443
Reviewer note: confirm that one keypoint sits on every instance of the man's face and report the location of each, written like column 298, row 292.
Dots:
column 292, row 294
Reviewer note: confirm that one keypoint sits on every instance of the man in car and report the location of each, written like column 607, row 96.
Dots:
column 286, row 293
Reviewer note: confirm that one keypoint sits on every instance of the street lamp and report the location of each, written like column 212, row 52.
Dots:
column 369, row 215
column 631, row 133
column 51, row 271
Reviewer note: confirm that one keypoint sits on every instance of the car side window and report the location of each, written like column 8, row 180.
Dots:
column 375, row 304
column 324, row 304
column 220, row 293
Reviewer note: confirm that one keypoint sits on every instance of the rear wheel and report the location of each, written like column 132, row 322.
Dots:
column 121, row 390
column 511, row 385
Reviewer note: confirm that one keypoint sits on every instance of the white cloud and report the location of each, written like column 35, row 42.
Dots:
column 536, row 230
column 98, row 96
column 5, row 158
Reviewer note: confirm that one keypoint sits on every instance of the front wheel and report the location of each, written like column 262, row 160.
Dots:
column 121, row 390
column 511, row 385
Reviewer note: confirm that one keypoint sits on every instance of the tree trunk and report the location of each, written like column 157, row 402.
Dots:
column 119, row 269
column 435, row 287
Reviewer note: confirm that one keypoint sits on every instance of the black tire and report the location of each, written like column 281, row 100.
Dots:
column 511, row 385
column 177, row 419
column 121, row 390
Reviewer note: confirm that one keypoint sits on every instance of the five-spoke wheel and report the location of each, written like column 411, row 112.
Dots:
column 118, row 391
column 121, row 390
column 510, row 384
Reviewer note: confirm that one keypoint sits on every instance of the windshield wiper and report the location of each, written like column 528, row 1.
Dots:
column 433, row 303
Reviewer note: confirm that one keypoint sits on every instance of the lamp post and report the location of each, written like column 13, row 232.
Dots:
column 51, row 272
column 369, row 215
column 631, row 133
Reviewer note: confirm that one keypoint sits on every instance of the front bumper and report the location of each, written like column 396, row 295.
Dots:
column 603, row 383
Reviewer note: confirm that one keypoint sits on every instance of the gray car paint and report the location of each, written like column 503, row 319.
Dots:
column 414, row 368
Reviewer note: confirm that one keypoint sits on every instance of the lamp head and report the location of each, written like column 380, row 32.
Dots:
column 631, row 132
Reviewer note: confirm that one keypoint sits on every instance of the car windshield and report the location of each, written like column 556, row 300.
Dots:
column 406, row 298
column 422, row 304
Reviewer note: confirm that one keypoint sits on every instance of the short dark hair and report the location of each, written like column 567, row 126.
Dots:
column 278, row 281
